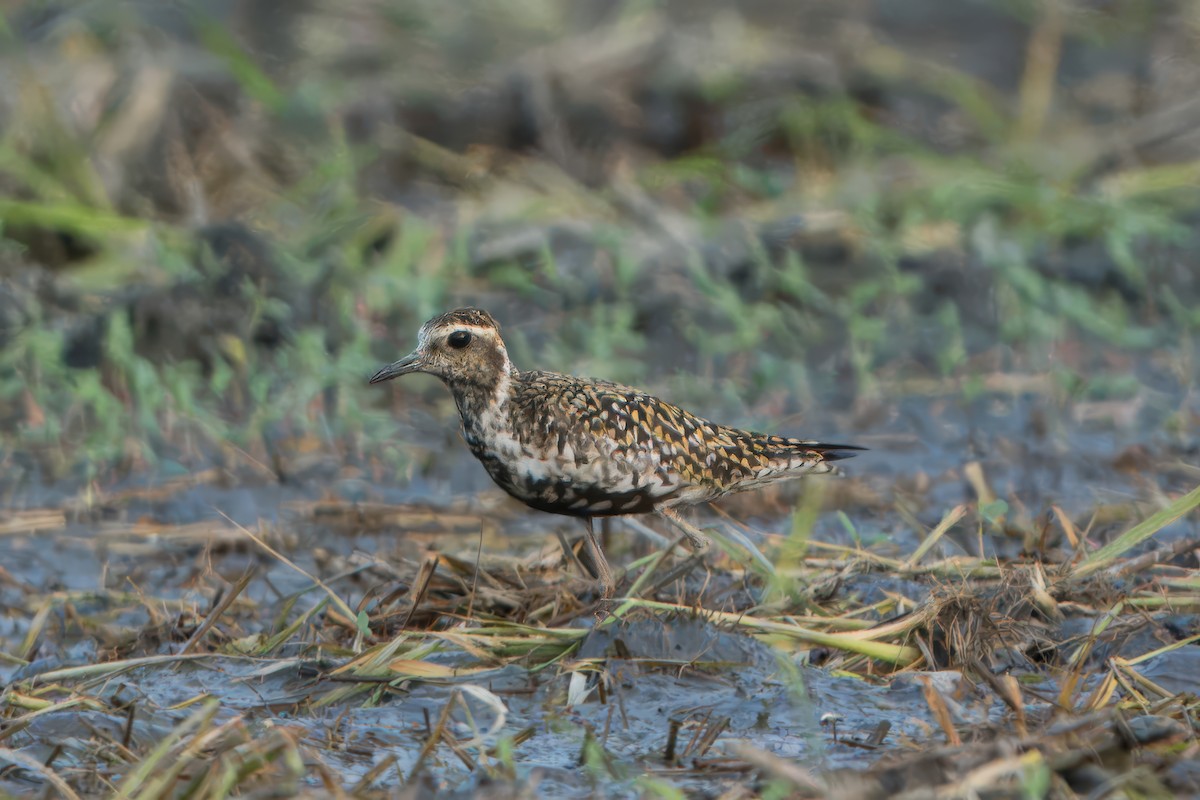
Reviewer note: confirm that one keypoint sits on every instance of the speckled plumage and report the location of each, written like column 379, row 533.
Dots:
column 589, row 448
column 593, row 448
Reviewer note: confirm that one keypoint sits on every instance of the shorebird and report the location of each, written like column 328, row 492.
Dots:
column 590, row 448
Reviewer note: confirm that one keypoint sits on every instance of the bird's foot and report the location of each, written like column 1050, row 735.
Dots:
column 594, row 561
column 697, row 542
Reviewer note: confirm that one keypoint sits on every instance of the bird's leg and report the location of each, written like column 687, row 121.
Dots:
column 595, row 562
column 697, row 541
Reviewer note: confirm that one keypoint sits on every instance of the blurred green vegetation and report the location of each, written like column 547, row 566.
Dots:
column 806, row 244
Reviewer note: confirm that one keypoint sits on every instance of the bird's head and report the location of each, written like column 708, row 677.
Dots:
column 462, row 347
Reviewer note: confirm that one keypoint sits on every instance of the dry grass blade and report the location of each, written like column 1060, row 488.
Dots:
column 941, row 712
column 216, row 613
column 705, row 736
column 1042, row 56
column 1123, row 669
column 289, row 630
column 427, row 670
column 41, row 708
column 1100, row 696
column 34, row 521
column 973, row 472
column 376, row 660
column 341, row 604
column 1162, row 650
column 860, row 642
column 110, row 668
column 205, row 739
column 1069, row 529
column 1029, row 771
column 730, row 539
column 435, row 736
column 1108, row 554
column 248, row 758
column 772, row 766
column 420, row 588
column 644, row 578
column 35, row 630
column 373, row 774
column 1008, row 689
column 135, row 783
column 948, row 522
column 1079, row 657
column 491, row 701
column 1159, row 555
column 33, row 765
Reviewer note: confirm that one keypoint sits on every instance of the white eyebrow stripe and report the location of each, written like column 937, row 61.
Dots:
column 445, row 329
column 470, row 328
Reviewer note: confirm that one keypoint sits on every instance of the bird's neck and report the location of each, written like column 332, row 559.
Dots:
column 482, row 397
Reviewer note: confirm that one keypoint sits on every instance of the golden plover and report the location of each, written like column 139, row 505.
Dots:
column 589, row 448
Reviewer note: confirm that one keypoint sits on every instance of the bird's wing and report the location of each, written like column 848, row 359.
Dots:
column 642, row 437
column 600, row 432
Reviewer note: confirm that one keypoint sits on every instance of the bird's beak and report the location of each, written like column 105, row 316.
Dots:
column 413, row 362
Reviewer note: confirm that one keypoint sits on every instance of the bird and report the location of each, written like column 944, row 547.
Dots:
column 590, row 448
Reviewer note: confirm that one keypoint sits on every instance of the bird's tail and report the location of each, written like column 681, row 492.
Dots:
column 813, row 458
column 831, row 453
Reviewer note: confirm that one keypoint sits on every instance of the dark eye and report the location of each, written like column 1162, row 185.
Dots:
column 459, row 339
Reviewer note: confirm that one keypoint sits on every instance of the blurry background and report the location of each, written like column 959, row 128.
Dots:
column 952, row 232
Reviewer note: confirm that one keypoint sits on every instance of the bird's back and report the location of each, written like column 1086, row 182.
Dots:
column 588, row 447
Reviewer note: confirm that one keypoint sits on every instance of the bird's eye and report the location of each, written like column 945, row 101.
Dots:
column 459, row 339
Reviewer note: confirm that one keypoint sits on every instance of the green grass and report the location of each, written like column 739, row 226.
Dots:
column 1006, row 215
